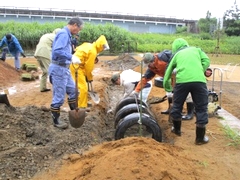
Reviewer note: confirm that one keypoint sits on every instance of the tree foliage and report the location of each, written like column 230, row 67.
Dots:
column 232, row 21
column 208, row 24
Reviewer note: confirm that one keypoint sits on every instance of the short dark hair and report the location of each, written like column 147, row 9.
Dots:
column 76, row 20
column 8, row 36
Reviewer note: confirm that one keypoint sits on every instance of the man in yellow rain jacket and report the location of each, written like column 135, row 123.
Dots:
column 87, row 52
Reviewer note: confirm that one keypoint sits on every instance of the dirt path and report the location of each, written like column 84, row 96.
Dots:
column 31, row 148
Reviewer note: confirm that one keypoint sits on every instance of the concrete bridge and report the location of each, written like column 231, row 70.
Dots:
column 131, row 22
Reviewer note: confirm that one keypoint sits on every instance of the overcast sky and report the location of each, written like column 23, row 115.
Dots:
column 181, row 9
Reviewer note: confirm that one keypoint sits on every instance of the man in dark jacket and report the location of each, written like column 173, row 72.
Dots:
column 157, row 64
column 190, row 64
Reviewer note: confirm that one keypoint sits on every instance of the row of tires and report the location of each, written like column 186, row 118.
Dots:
column 133, row 118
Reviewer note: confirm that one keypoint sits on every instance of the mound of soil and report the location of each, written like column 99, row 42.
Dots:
column 122, row 62
column 8, row 74
column 128, row 158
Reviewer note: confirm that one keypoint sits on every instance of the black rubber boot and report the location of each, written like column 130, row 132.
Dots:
column 169, row 106
column 72, row 104
column 176, row 128
column 190, row 111
column 55, row 116
column 200, row 135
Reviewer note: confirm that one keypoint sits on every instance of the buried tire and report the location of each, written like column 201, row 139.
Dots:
column 129, row 109
column 126, row 101
column 158, row 82
column 132, row 119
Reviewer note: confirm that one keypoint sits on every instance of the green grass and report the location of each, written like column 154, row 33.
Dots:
column 223, row 59
column 233, row 135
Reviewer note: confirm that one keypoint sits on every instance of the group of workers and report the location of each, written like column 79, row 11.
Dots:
column 66, row 59
column 189, row 66
column 59, row 59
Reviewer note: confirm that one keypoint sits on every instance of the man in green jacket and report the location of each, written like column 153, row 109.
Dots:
column 190, row 64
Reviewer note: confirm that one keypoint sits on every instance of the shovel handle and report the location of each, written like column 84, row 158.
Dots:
column 90, row 88
column 76, row 84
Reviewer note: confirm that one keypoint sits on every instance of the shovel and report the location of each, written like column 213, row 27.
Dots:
column 76, row 116
column 155, row 100
column 93, row 95
column 4, row 99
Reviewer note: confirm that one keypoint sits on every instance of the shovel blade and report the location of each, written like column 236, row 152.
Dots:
column 4, row 99
column 77, row 117
column 95, row 97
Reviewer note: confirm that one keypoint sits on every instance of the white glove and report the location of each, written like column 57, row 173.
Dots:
column 75, row 60
column 134, row 94
column 169, row 94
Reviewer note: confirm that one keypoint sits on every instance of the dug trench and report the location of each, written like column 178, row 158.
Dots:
column 32, row 148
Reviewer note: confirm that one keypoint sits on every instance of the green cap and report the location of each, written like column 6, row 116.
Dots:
column 148, row 58
column 115, row 77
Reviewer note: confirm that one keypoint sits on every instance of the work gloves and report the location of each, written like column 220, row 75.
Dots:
column 75, row 60
column 208, row 72
column 88, row 81
column 134, row 94
column 169, row 94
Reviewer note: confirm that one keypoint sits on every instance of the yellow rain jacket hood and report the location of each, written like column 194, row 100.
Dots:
column 87, row 53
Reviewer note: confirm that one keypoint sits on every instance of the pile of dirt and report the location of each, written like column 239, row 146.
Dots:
column 122, row 62
column 132, row 157
column 8, row 74
column 30, row 143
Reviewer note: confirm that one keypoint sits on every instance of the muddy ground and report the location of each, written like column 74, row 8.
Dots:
column 31, row 148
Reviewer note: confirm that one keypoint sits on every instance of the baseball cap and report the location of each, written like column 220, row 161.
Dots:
column 114, row 78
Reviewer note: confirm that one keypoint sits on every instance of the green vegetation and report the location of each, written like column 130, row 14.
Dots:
column 232, row 135
column 121, row 40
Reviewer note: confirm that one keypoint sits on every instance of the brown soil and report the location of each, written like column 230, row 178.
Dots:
column 31, row 148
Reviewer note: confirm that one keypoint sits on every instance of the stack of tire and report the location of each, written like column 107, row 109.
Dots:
column 127, row 114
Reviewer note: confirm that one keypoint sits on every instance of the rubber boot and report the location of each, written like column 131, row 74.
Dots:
column 72, row 104
column 176, row 128
column 55, row 116
column 190, row 111
column 169, row 106
column 200, row 135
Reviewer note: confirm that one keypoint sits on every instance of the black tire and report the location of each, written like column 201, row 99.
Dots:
column 158, row 82
column 128, row 109
column 132, row 119
column 126, row 101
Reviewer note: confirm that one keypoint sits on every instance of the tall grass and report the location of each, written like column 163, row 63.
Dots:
column 119, row 39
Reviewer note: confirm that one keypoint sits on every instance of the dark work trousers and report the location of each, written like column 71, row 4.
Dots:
column 199, row 94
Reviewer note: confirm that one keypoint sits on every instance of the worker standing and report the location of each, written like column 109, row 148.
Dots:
column 59, row 72
column 87, row 52
column 43, row 55
column 191, row 64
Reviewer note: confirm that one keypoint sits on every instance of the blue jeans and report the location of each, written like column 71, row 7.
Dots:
column 62, row 83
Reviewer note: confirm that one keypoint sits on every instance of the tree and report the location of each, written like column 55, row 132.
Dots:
column 231, row 21
column 208, row 24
